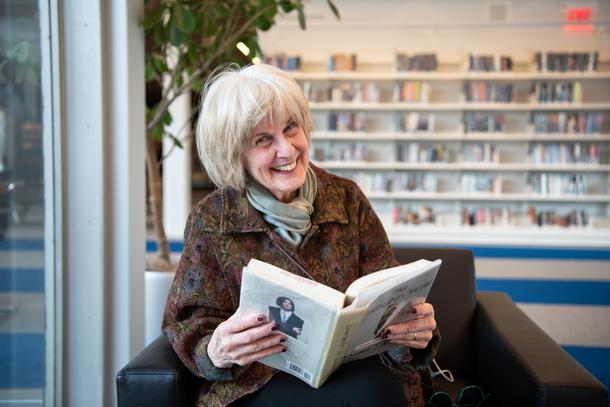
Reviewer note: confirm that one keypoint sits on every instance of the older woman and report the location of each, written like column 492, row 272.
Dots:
column 253, row 138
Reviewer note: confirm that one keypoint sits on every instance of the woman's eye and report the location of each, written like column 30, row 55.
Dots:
column 291, row 127
column 263, row 141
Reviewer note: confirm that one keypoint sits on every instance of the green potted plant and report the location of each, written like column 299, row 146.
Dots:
column 185, row 41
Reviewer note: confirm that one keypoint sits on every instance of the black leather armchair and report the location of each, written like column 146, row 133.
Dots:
column 486, row 340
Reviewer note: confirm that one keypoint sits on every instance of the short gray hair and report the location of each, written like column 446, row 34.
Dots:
column 234, row 101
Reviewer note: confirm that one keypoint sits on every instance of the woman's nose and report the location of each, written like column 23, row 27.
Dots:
column 284, row 147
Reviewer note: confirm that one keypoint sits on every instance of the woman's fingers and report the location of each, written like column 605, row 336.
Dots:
column 417, row 340
column 268, row 345
column 415, row 333
column 242, row 339
column 238, row 323
column 248, row 337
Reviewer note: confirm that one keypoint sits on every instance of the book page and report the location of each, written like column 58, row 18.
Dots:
column 364, row 289
column 305, row 322
column 388, row 308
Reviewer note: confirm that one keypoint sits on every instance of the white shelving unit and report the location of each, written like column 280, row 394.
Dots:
column 515, row 166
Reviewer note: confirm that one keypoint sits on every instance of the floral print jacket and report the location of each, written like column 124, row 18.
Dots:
column 224, row 232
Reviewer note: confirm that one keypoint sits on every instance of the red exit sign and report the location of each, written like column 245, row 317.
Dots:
column 575, row 14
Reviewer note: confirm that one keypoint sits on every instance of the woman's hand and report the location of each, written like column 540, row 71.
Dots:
column 243, row 339
column 415, row 333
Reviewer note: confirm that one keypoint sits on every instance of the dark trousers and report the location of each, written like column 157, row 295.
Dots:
column 362, row 383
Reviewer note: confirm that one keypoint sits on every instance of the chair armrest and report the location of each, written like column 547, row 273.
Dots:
column 520, row 365
column 157, row 377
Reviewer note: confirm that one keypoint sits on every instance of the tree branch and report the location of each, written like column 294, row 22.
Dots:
column 164, row 104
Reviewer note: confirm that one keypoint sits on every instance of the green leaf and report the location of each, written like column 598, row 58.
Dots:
column 263, row 23
column 175, row 35
column 157, row 132
column 197, row 84
column 223, row 10
column 176, row 141
column 151, row 20
column 334, row 9
column 167, row 118
column 301, row 17
column 185, row 19
column 287, row 6
column 210, row 28
column 149, row 72
column 159, row 64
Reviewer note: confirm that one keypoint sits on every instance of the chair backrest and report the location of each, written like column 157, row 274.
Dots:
column 454, row 300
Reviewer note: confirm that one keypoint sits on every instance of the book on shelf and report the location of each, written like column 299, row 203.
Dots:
column 566, row 61
column 342, row 62
column 570, row 123
column 416, row 62
column 324, row 327
column 489, row 63
column 285, row 62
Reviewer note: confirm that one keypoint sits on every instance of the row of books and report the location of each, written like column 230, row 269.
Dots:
column 417, row 152
column 566, row 61
column 557, row 184
column 416, row 62
column 414, row 122
column 560, row 92
column 480, row 152
column 341, row 62
column 490, row 216
column 356, row 92
column 488, row 63
column 346, row 121
column 411, row 91
column 488, row 92
column 570, row 123
column 343, row 152
column 393, row 182
column 544, row 62
column 477, row 122
column 412, row 152
column 487, row 216
column 284, row 61
column 474, row 183
column 493, row 216
column 546, row 217
column 564, row 153
column 408, row 216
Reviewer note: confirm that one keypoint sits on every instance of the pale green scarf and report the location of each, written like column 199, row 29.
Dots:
column 289, row 220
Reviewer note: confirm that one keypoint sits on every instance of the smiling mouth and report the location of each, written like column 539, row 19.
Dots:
column 287, row 167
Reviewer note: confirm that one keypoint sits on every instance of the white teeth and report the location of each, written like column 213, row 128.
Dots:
column 287, row 167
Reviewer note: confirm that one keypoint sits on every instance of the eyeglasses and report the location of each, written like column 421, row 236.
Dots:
column 469, row 396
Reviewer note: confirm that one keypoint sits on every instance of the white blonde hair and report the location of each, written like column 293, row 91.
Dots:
column 234, row 102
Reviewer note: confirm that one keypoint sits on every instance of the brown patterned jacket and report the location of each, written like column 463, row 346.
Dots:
column 224, row 231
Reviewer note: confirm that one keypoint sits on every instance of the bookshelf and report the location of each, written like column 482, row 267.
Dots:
column 538, row 173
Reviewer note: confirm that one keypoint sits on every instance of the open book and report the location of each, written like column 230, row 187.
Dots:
column 324, row 327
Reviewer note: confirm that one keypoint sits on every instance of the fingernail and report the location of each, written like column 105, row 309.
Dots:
column 260, row 318
column 282, row 339
column 413, row 310
column 384, row 336
column 284, row 350
column 387, row 332
column 274, row 328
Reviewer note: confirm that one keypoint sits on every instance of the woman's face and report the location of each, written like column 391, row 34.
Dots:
column 277, row 157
